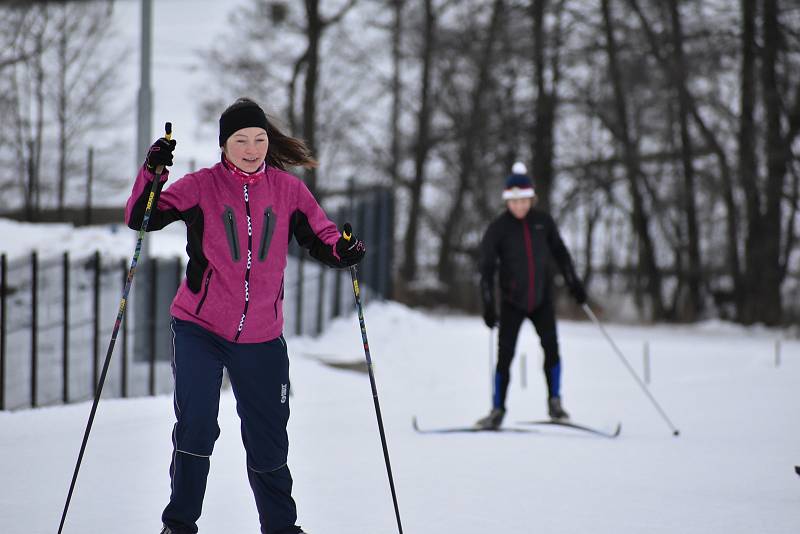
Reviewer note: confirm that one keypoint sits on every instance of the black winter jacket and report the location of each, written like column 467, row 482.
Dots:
column 525, row 251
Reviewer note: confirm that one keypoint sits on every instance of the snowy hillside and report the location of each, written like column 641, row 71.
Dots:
column 729, row 472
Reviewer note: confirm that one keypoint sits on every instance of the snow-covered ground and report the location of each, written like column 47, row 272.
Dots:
column 729, row 472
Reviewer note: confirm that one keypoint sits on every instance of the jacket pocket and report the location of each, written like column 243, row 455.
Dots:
column 205, row 293
column 268, row 229
column 229, row 221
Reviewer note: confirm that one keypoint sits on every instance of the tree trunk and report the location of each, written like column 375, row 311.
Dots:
column 421, row 148
column 470, row 145
column 689, row 203
column 38, row 142
column 731, row 209
column 397, row 34
column 770, row 294
column 62, row 112
column 646, row 252
column 314, row 33
column 748, row 166
column 545, row 111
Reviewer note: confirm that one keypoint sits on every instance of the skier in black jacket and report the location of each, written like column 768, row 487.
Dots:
column 524, row 243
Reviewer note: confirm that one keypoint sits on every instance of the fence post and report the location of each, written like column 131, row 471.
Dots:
column 384, row 240
column 646, row 362
column 96, row 324
column 178, row 273
column 373, row 216
column 34, row 327
column 366, row 267
column 65, row 329
column 152, row 324
column 389, row 250
column 3, row 317
column 336, row 304
column 124, row 269
column 298, row 327
column 321, row 300
column 777, row 352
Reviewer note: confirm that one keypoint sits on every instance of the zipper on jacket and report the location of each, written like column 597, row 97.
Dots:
column 230, row 230
column 205, row 293
column 249, row 263
column 266, row 234
column 531, row 267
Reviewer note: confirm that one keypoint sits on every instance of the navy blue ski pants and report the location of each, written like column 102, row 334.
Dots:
column 259, row 375
column 544, row 321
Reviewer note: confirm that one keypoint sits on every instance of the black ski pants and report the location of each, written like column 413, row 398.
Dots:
column 544, row 321
column 259, row 374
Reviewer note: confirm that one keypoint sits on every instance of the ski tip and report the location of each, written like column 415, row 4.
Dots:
column 414, row 424
column 617, row 430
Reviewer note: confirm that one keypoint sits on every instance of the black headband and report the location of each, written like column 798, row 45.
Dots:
column 246, row 115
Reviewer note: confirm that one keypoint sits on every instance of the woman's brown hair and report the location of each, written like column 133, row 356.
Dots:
column 284, row 150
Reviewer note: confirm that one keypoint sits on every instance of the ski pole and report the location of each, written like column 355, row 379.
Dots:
column 348, row 234
column 594, row 319
column 122, row 304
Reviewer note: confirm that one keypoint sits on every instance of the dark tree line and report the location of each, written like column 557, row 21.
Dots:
column 672, row 126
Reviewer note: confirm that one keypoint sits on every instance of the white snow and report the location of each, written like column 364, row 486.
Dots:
column 113, row 240
column 729, row 472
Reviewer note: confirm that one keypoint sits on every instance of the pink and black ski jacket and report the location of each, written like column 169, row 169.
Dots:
column 238, row 229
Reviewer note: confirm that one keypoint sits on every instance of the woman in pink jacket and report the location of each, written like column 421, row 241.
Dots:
column 240, row 216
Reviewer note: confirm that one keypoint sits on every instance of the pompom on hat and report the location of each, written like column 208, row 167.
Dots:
column 518, row 184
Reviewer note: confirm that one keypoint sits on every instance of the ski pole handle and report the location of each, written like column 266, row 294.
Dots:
column 347, row 232
column 168, row 137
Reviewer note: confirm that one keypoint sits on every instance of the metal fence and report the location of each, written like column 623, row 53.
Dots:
column 57, row 313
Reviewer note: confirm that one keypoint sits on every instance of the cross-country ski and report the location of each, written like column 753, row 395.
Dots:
column 575, row 426
column 467, row 429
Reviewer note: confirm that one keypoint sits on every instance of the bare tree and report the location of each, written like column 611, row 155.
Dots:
column 770, row 307
column 647, row 261
column 397, row 90
column 422, row 143
column 55, row 88
column 84, row 81
column 475, row 123
column 547, row 95
column 679, row 76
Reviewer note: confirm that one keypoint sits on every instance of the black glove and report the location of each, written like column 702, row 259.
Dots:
column 489, row 316
column 578, row 292
column 350, row 251
column 160, row 154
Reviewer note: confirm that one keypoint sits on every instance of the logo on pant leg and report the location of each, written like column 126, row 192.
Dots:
column 284, row 391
